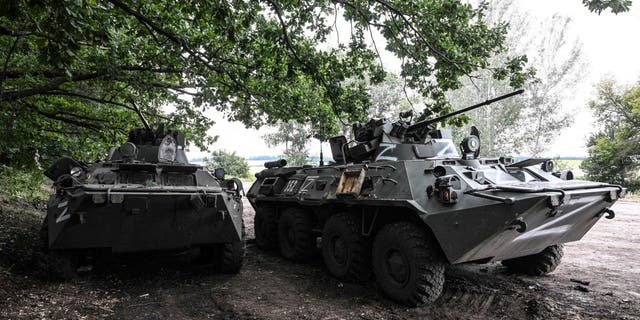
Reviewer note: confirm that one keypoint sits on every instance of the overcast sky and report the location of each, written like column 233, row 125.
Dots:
column 611, row 47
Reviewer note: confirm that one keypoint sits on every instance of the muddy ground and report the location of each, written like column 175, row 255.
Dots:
column 606, row 261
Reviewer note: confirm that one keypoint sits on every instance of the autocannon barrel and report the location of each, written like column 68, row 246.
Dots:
column 275, row 163
column 427, row 122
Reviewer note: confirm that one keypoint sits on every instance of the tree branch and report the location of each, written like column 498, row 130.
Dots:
column 55, row 116
column 52, row 85
column 6, row 64
column 169, row 35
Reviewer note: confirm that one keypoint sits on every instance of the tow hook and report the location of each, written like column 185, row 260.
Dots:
column 518, row 225
column 610, row 214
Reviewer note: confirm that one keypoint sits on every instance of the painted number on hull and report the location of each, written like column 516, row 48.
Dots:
column 386, row 147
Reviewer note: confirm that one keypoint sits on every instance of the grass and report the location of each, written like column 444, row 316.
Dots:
column 25, row 185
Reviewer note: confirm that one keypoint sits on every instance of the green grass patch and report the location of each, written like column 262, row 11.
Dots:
column 24, row 184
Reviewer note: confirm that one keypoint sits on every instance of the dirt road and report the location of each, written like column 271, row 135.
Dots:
column 269, row 287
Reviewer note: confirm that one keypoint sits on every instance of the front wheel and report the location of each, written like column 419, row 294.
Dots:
column 537, row 264
column 60, row 264
column 408, row 264
column 231, row 256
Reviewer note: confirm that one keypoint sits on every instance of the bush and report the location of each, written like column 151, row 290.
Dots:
column 233, row 165
column 24, row 184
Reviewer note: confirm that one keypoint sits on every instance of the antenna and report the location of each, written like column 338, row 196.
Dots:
column 321, row 157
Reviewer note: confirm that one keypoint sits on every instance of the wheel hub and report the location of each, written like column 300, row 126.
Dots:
column 339, row 250
column 397, row 266
column 291, row 237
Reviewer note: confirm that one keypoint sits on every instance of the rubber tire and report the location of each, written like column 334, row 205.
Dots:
column 423, row 258
column 231, row 256
column 357, row 265
column 295, row 235
column 265, row 226
column 537, row 264
column 60, row 265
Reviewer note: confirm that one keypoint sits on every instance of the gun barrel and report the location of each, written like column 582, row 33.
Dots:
column 142, row 118
column 463, row 110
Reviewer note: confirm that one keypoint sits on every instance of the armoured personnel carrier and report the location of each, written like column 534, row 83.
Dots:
column 145, row 196
column 401, row 203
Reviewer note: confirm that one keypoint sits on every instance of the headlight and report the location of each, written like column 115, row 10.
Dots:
column 547, row 166
column 76, row 172
column 471, row 144
column 167, row 150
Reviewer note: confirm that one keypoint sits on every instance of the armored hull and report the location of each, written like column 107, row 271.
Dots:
column 488, row 222
column 144, row 197
column 138, row 217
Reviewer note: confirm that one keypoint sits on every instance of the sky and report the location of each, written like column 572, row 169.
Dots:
column 611, row 48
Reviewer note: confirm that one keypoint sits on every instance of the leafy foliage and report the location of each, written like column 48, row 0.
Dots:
column 295, row 137
column 527, row 124
column 233, row 165
column 614, row 151
column 616, row 6
column 23, row 184
column 76, row 70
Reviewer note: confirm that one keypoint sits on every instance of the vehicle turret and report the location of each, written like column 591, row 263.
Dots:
column 381, row 139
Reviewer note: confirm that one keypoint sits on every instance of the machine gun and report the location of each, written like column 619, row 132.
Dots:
column 428, row 124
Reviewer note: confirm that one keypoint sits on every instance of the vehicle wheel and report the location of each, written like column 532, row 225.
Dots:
column 295, row 235
column 408, row 264
column 60, row 265
column 63, row 265
column 231, row 256
column 537, row 264
column 265, row 227
column 346, row 252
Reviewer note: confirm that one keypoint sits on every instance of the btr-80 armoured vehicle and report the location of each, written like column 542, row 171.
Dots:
column 400, row 202
column 145, row 196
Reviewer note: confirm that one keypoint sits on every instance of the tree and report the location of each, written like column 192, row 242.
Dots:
column 525, row 125
column 616, row 6
column 232, row 164
column 614, row 150
column 387, row 100
column 295, row 137
column 80, row 68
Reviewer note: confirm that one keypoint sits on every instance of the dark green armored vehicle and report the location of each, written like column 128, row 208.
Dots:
column 145, row 196
column 401, row 203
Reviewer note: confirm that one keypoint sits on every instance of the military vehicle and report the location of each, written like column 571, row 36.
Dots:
column 145, row 196
column 401, row 203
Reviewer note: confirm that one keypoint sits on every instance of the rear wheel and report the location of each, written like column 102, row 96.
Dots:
column 537, row 264
column 408, row 264
column 266, row 228
column 346, row 252
column 295, row 235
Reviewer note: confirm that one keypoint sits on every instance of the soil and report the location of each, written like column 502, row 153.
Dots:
column 598, row 279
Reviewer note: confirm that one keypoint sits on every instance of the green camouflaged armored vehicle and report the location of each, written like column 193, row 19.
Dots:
column 401, row 202
column 145, row 196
